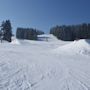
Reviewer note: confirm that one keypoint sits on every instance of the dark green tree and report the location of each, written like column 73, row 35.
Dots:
column 71, row 32
column 7, row 30
column 39, row 32
column 26, row 33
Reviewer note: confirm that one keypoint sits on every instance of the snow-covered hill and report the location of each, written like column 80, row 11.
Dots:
column 52, row 65
column 80, row 47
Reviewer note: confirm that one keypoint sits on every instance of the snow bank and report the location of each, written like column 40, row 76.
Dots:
column 15, row 41
column 80, row 46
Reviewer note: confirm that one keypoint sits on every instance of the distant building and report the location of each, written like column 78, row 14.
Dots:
column 43, row 38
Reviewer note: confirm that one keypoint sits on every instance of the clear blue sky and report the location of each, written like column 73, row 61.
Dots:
column 43, row 14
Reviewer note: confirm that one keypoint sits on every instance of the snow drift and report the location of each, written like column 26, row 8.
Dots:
column 15, row 41
column 78, row 46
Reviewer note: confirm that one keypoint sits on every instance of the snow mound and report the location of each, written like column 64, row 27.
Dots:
column 80, row 46
column 15, row 41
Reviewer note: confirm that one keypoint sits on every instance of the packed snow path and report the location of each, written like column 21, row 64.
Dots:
column 30, row 65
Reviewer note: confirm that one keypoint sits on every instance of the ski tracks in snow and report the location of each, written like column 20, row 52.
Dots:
column 75, row 79
column 12, row 78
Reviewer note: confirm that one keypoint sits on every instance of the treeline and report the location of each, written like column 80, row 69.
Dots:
column 71, row 32
column 64, row 32
column 21, row 33
column 28, row 33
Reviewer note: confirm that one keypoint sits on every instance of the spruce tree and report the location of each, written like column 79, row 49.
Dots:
column 7, row 30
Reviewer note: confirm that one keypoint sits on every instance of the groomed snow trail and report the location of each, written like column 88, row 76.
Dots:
column 76, row 58
column 30, row 65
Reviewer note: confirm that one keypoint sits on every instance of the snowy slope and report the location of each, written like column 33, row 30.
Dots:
column 47, row 37
column 80, row 46
column 37, row 65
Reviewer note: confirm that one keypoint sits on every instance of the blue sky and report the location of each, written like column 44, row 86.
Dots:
column 43, row 14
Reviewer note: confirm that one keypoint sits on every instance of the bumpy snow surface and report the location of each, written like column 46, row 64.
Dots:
column 40, row 65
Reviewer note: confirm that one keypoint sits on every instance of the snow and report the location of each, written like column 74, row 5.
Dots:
column 41, row 65
column 15, row 41
column 47, row 37
column 80, row 46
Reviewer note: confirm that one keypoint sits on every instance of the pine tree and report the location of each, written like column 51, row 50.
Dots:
column 7, row 30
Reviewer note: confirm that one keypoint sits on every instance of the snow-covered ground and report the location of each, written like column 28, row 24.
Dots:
column 42, row 65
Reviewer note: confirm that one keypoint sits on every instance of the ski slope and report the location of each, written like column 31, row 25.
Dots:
column 42, row 65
